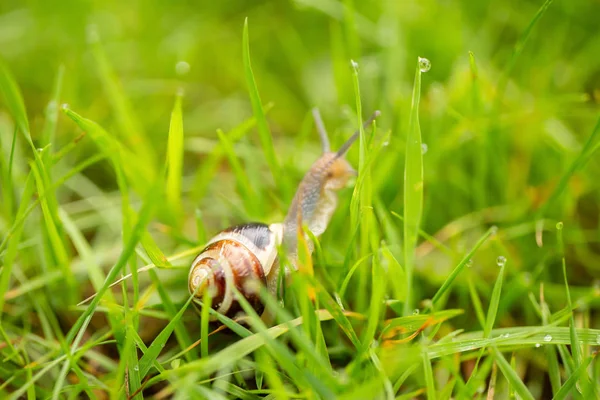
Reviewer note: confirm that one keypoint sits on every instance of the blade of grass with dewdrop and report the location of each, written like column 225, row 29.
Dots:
column 129, row 126
column 144, row 217
column 243, row 183
column 511, row 376
column 413, row 189
column 489, row 322
column 264, row 132
column 175, row 157
column 553, row 367
column 518, row 337
column 461, row 265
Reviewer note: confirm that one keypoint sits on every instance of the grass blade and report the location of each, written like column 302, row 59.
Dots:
column 144, row 217
column 128, row 124
column 413, row 189
column 494, row 301
column 264, row 132
column 570, row 383
column 13, row 99
column 511, row 376
column 175, row 158
column 461, row 265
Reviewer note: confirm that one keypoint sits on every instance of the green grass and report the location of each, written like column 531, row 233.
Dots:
column 106, row 200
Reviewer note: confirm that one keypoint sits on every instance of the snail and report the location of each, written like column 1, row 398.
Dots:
column 246, row 254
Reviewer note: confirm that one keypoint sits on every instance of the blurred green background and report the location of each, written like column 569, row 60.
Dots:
column 498, row 141
column 506, row 148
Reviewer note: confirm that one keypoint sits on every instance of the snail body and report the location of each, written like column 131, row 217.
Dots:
column 245, row 256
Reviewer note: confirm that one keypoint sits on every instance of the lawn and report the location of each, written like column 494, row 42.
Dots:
column 462, row 260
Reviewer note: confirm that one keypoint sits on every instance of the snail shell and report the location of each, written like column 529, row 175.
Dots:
column 243, row 256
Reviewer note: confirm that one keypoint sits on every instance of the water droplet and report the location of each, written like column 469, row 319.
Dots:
column 559, row 225
column 424, row 148
column 537, row 345
column 501, row 261
column 39, row 149
column 424, row 64
column 386, row 143
column 64, row 106
column 505, row 335
column 416, row 311
column 494, row 230
column 354, row 65
column 469, row 263
column 548, row 338
column 136, row 367
column 182, row 67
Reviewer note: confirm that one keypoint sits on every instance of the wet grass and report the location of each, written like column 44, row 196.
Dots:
column 462, row 263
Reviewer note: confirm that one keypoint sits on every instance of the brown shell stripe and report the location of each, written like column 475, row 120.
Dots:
column 245, row 267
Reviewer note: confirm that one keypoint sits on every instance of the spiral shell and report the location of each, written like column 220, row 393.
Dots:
column 243, row 256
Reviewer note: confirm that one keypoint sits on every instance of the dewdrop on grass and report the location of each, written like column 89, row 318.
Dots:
column 548, row 338
column 424, row 148
column 182, row 68
column 501, row 261
column 424, row 64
